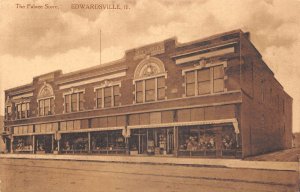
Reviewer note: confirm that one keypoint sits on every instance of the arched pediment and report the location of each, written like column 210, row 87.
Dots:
column 46, row 91
column 149, row 67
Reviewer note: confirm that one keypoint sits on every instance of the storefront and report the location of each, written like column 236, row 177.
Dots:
column 207, row 140
column 153, row 141
column 23, row 144
column 74, row 143
column 108, row 142
column 44, row 143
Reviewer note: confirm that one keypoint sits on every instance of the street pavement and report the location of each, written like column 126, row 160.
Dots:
column 22, row 175
column 288, row 155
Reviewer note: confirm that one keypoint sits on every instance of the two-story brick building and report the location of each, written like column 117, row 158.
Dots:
column 211, row 97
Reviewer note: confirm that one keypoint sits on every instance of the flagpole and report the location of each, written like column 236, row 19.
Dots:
column 100, row 47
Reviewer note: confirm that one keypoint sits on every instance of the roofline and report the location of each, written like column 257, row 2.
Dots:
column 208, row 38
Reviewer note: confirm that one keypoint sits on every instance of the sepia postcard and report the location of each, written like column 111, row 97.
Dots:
column 140, row 95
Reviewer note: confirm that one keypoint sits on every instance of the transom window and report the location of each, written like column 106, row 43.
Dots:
column 149, row 80
column 23, row 110
column 204, row 81
column 108, row 96
column 74, row 102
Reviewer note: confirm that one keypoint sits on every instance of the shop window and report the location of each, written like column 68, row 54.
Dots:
column 108, row 96
column 204, row 81
column 23, row 110
column 194, row 141
column 74, row 102
column 46, row 106
column 111, row 142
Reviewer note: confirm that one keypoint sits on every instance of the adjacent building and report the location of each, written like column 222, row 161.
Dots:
column 212, row 97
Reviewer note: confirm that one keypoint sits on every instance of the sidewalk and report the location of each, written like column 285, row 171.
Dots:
column 229, row 163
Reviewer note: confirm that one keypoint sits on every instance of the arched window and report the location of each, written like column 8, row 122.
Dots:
column 46, row 100
column 149, row 81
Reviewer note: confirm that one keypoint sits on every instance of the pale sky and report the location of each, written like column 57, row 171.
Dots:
column 33, row 42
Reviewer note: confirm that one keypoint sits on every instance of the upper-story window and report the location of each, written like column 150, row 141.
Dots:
column 108, row 95
column 204, row 80
column 23, row 110
column 149, row 81
column 8, row 112
column 74, row 101
column 46, row 100
column 46, row 106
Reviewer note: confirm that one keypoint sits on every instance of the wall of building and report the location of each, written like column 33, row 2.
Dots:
column 266, row 108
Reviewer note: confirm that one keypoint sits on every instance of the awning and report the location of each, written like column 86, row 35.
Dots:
column 92, row 130
column 190, row 123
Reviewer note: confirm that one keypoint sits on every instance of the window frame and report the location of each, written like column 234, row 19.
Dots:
column 112, row 96
column 20, row 111
column 156, row 88
column 51, row 106
column 68, row 100
column 211, row 68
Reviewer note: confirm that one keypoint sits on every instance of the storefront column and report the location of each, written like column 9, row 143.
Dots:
column 89, row 139
column 176, row 141
column 52, row 147
column 12, row 145
column 58, row 146
column 33, row 144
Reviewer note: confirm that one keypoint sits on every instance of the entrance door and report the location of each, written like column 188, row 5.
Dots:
column 142, row 143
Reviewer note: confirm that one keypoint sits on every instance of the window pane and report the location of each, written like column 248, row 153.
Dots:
column 150, row 84
column 190, row 89
column 67, row 103
column 139, row 97
column 150, row 95
column 107, row 101
column 203, row 87
column 74, row 102
column 218, row 72
column 24, row 107
column 160, row 82
column 81, row 101
column 218, row 85
column 9, row 109
column 52, row 106
column 99, row 93
column 41, row 107
column 139, row 86
column 47, row 107
column 116, row 90
column 116, row 100
column 161, row 93
column 190, row 77
column 99, row 102
column 203, row 75
column 107, row 91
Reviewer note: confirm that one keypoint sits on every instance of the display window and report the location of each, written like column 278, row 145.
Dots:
column 108, row 142
column 23, row 144
column 74, row 142
column 206, row 141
